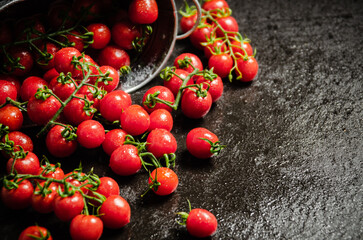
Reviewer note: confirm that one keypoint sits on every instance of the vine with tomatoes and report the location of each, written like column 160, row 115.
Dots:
column 70, row 89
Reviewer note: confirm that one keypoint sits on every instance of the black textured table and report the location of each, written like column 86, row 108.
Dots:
column 293, row 165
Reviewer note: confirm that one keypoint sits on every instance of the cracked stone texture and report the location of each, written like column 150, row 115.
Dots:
column 293, row 165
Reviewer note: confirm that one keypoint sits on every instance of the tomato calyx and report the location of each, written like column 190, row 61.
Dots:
column 215, row 147
column 154, row 185
column 139, row 42
column 189, row 11
column 184, row 215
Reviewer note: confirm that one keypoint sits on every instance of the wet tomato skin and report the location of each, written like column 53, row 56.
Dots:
column 18, row 198
column 35, row 232
column 115, row 212
column 12, row 117
column 86, row 227
column 201, row 223
column 91, row 134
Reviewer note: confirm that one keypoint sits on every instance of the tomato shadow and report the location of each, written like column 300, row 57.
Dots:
column 189, row 162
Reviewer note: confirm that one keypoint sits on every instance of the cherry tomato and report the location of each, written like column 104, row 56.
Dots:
column 57, row 145
column 161, row 118
column 42, row 111
column 75, row 111
column 187, row 23
column 167, row 179
column 44, row 204
column 66, row 208
column 91, row 7
column 212, row 48
column 101, row 35
column 13, row 80
column 27, row 165
column 113, row 139
column 30, row 87
column 60, row 14
column 74, row 37
column 35, row 232
column 115, row 212
column 195, row 61
column 90, row 134
column 50, row 74
column 198, row 147
column 228, row 24
column 11, row 116
column 77, row 179
column 114, row 56
column 7, row 89
column 247, row 69
column 62, row 90
column 91, row 65
column 63, row 60
column 18, row 198
column 25, row 59
column 174, row 83
column 115, row 78
column 160, row 142
column 20, row 139
column 237, row 48
column 55, row 173
column 124, row 33
column 222, row 64
column 201, row 35
column 215, row 5
column 49, row 48
column 113, row 104
column 143, row 11
column 201, row 223
column 108, row 187
column 86, row 227
column 163, row 93
column 135, row 120
column 93, row 94
column 125, row 160
column 215, row 86
column 23, row 26
column 194, row 106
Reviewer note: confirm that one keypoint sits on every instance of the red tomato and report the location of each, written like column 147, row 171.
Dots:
column 91, row 7
column 15, row 81
column 113, row 139
column 63, row 60
column 42, row 111
column 90, row 134
column 60, row 14
column 11, row 116
column 143, row 11
column 49, row 48
column 22, row 29
column 76, row 180
column 195, row 61
column 108, row 187
column 115, row 212
column 247, row 69
column 27, row 165
column 18, row 198
column 20, row 139
column 30, row 87
column 55, row 173
column 167, row 179
column 50, row 74
column 194, row 106
column 101, row 35
column 35, row 232
column 228, row 24
column 164, row 94
column 214, row 5
column 114, row 56
column 160, row 142
column 74, row 37
column 215, row 86
column 200, row 35
column 25, row 59
column 44, row 204
column 161, row 118
column 75, row 112
column 198, row 147
column 113, row 104
column 237, row 48
column 124, row 33
column 201, row 223
column 187, row 23
column 135, row 120
column 68, row 207
column 174, row 83
column 57, row 145
column 62, row 90
column 88, row 63
column 115, row 78
column 7, row 89
column 87, row 227
column 222, row 64
column 125, row 160
column 213, row 48
column 92, row 94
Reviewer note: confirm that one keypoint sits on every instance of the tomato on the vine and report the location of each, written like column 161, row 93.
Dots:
column 125, row 160
column 201, row 223
column 25, row 60
column 215, row 5
column 54, row 172
column 50, row 49
column 163, row 181
column 143, row 11
column 246, row 69
column 28, row 164
column 113, row 104
column 101, row 35
column 74, row 37
column 114, row 56
column 44, row 204
column 162, row 93
column 160, row 142
column 195, row 61
column 7, row 89
column 113, row 139
column 77, row 110
column 115, row 78
column 161, row 118
column 198, row 144
column 20, row 139
column 135, row 120
column 214, row 47
column 124, row 33
column 12, row 117
column 187, row 22
column 90, row 134
column 175, row 82
column 18, row 198
column 201, row 35
column 63, row 60
column 229, row 25
column 62, row 90
column 66, row 208
column 50, row 74
column 86, row 227
column 195, row 105
column 42, row 111
column 58, row 145
column 215, row 86
column 115, row 212
column 35, row 232
column 237, row 48
column 221, row 63
column 30, row 86
column 108, row 187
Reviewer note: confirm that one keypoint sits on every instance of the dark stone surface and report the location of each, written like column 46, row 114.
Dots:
column 293, row 165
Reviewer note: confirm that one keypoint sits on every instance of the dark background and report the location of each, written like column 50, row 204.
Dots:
column 293, row 165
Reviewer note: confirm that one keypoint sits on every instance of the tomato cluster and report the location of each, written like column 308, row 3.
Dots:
column 70, row 87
